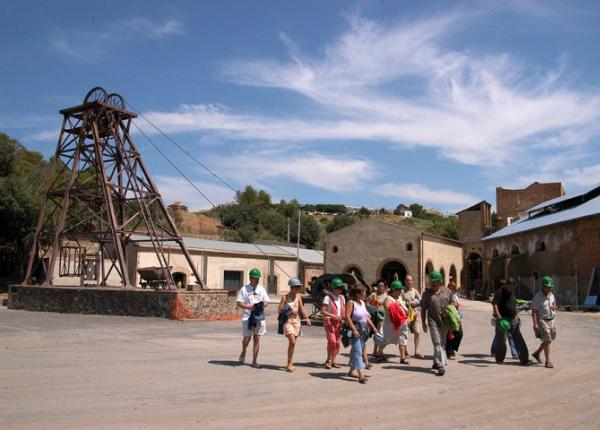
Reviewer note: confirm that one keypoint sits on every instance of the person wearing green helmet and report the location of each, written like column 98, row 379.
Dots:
column 395, row 321
column 543, row 311
column 432, row 305
column 332, row 309
column 253, row 299
column 504, row 306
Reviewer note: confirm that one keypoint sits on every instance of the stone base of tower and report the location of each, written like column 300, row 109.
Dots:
column 174, row 304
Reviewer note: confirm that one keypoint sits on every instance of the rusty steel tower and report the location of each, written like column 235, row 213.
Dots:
column 101, row 200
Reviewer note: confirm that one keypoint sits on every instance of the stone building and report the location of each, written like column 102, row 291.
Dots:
column 512, row 204
column 559, row 237
column 373, row 249
column 474, row 223
column 221, row 265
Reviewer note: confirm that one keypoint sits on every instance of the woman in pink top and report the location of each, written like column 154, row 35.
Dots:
column 333, row 310
column 359, row 321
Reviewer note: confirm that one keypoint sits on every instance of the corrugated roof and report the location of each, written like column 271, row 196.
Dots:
column 589, row 208
column 310, row 256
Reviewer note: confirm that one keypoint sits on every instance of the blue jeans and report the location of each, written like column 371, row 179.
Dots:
column 511, row 343
column 356, row 355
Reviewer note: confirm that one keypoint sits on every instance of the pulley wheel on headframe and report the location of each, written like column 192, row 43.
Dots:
column 116, row 100
column 96, row 94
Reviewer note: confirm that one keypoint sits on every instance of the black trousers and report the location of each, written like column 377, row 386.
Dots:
column 453, row 345
column 520, row 344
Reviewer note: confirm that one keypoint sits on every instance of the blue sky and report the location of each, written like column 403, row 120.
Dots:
column 368, row 103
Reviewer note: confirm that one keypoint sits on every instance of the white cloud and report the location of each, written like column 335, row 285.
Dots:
column 474, row 109
column 175, row 189
column 411, row 192
column 339, row 174
column 585, row 177
column 91, row 44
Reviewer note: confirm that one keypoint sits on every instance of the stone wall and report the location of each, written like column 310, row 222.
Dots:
column 368, row 245
column 118, row 301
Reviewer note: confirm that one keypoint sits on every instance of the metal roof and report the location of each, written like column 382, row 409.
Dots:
column 310, row 256
column 589, row 208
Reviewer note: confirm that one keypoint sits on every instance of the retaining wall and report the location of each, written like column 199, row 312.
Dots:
column 118, row 301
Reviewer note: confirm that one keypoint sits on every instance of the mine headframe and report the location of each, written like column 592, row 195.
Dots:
column 100, row 201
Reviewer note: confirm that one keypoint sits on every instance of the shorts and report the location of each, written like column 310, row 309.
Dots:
column 259, row 329
column 415, row 325
column 547, row 330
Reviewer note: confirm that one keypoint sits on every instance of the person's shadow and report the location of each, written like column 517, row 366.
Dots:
column 342, row 376
column 477, row 360
column 235, row 363
column 410, row 369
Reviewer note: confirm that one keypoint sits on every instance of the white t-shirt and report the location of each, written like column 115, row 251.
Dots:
column 542, row 304
column 250, row 296
column 337, row 302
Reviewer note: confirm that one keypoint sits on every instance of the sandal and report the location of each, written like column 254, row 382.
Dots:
column 291, row 369
column 549, row 365
column 536, row 355
column 362, row 380
column 419, row 356
column 327, row 365
column 368, row 366
column 255, row 365
column 337, row 366
column 242, row 358
column 404, row 361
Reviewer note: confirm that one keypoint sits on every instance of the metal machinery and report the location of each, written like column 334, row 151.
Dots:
column 100, row 200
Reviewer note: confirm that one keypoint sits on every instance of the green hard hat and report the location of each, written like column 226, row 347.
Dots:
column 396, row 285
column 254, row 273
column 548, row 282
column 337, row 283
column 435, row 276
column 503, row 324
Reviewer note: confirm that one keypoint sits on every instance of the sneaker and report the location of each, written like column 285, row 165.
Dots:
column 536, row 355
column 441, row 371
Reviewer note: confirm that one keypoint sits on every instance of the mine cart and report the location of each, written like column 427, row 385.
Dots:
column 153, row 277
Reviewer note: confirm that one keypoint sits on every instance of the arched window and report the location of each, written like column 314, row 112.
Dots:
column 409, row 246
column 334, row 249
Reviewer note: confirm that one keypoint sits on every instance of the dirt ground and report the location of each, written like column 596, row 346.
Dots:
column 60, row 371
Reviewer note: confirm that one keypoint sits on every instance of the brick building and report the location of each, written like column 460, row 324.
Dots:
column 559, row 237
column 377, row 249
column 512, row 204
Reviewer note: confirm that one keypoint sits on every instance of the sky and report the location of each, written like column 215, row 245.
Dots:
column 364, row 103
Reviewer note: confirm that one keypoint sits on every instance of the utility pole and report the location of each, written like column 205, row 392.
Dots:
column 298, row 247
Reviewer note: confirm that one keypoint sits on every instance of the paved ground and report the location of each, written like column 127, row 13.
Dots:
column 63, row 371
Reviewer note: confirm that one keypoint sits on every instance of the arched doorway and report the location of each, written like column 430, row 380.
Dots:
column 428, row 268
column 393, row 270
column 473, row 274
column 354, row 270
column 453, row 275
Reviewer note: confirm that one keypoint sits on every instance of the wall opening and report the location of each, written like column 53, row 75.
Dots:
column 393, row 270
column 233, row 280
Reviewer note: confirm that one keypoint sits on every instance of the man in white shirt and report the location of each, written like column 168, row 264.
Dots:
column 543, row 308
column 252, row 298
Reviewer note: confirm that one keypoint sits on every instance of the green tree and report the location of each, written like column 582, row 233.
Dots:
column 23, row 178
column 339, row 222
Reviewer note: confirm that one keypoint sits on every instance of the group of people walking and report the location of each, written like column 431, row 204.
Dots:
column 389, row 316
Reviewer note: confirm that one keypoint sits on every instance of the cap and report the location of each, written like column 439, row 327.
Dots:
column 337, row 283
column 435, row 276
column 548, row 282
column 294, row 282
column 396, row 285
